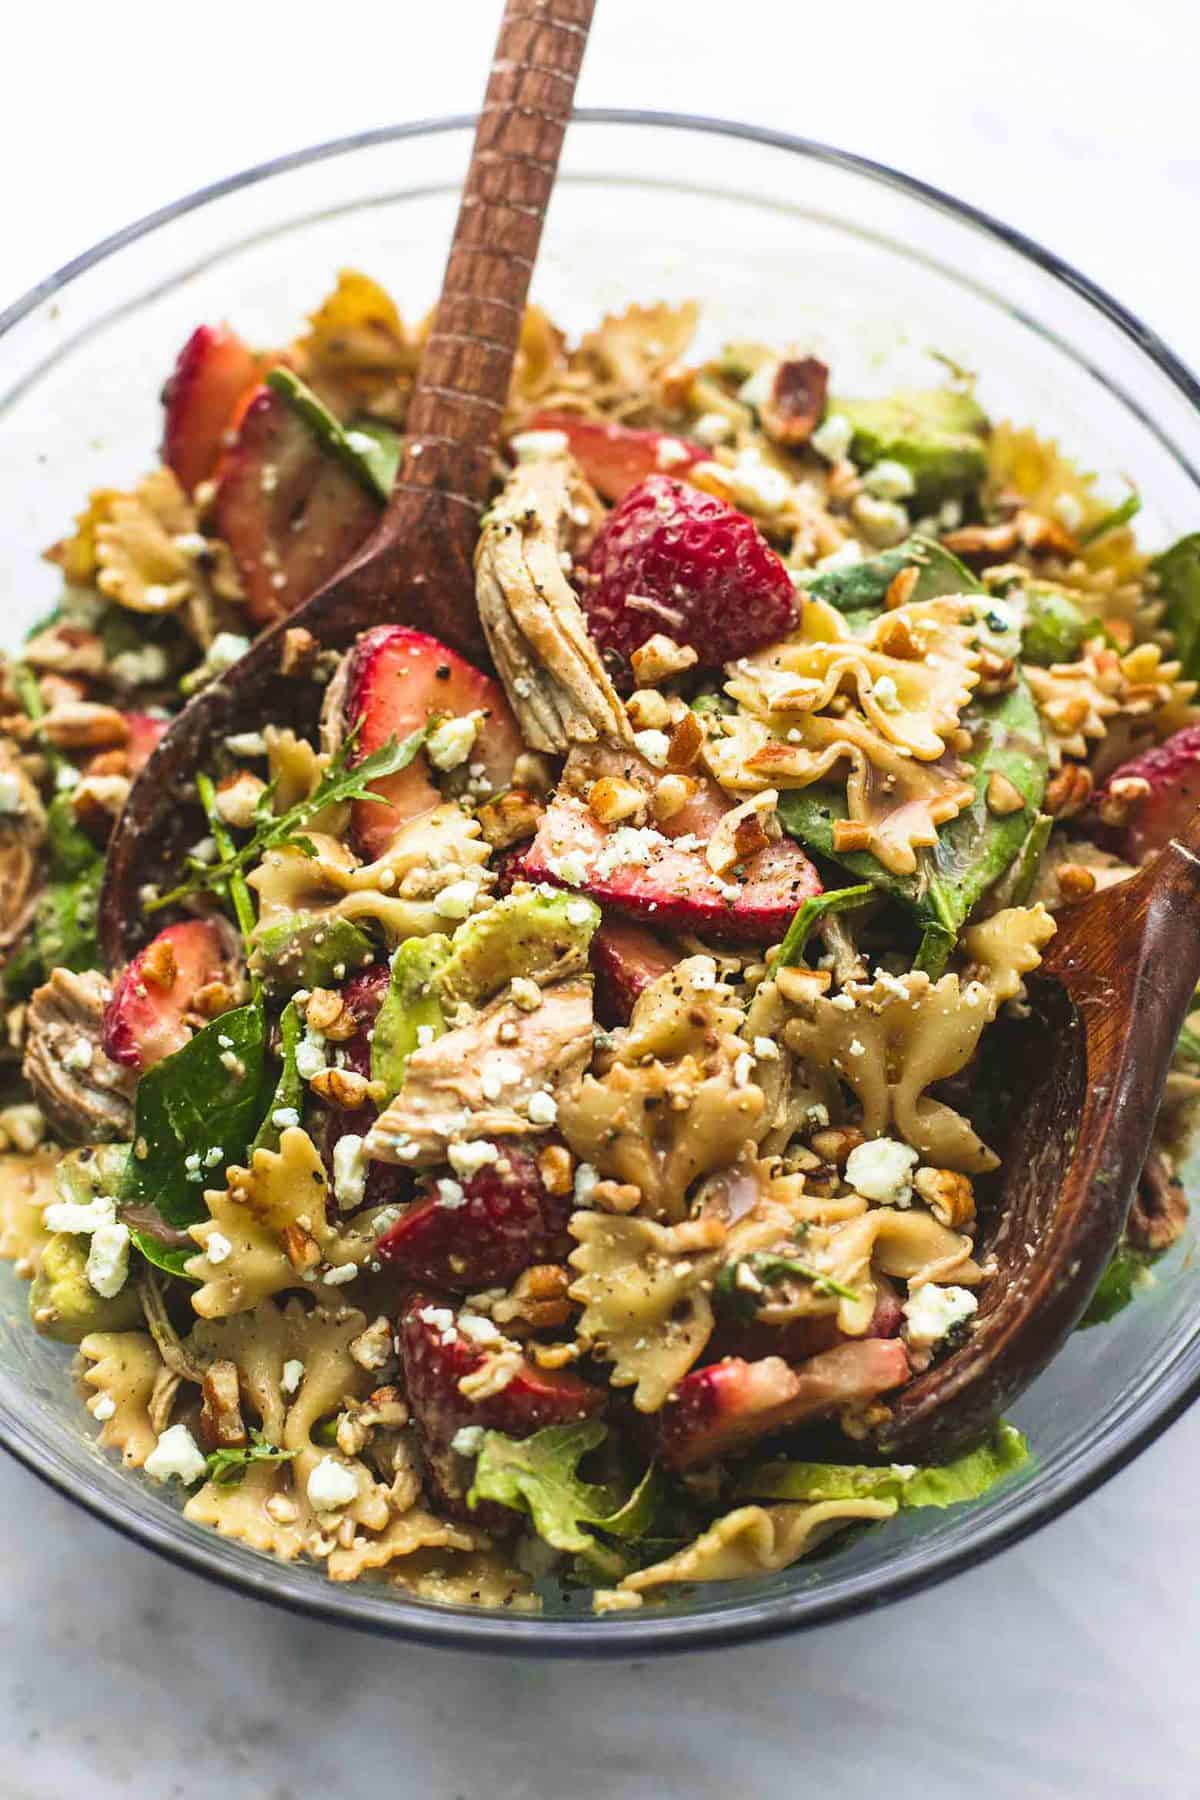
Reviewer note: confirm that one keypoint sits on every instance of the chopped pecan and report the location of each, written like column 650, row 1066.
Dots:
column 793, row 408
column 222, row 1426
column 1160, row 1206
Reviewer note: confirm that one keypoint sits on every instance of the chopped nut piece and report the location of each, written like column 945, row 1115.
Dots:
column 323, row 1008
column 648, row 710
column 671, row 795
column 213, row 999
column 221, row 1424
column 893, row 635
column 659, row 658
column 612, row 799
column 1003, row 796
column 372, row 1348
column 237, row 796
column 742, row 832
column 1075, row 882
column 1122, row 796
column 687, row 741
column 616, row 1196
column 1069, row 791
column 537, row 1301
column 509, row 818
column 298, row 651
column 996, row 673
column 301, row 1248
column 557, row 1168
column 159, row 968
column 342, row 1088
column 900, row 588
column 84, row 725
column 851, row 834
column 1160, row 1206
column 983, row 540
column 949, row 1196
column 835, row 1142
column 800, row 985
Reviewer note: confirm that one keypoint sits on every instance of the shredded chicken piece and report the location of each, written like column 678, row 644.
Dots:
column 22, row 831
column 488, row 1078
column 535, row 627
column 83, row 1095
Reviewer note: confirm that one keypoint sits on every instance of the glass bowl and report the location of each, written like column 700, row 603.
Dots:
column 783, row 240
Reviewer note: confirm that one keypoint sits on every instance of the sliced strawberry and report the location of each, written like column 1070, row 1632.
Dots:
column 613, row 457
column 214, row 372
column 146, row 1018
column 1172, row 770
column 363, row 995
column 674, row 559
column 144, row 734
column 505, row 1221
column 729, row 1404
column 290, row 513
column 396, row 680
column 386, row 1184
column 437, row 1355
column 802, row 1338
column 668, row 884
column 626, row 958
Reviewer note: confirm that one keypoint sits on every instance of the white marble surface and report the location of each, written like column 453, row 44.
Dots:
column 1065, row 1667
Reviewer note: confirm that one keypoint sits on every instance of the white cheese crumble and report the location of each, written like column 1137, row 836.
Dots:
column 176, row 1454
column 349, row 1170
column 882, row 1170
column 247, row 743
column 311, row 1055
column 670, row 453
column 586, row 1177
column 526, row 993
column 844, row 557
column 653, row 745
column 104, row 1408
column 889, row 480
column 139, row 668
column 450, row 1195
column 331, row 1486
column 340, row 1276
column 743, row 1068
column 477, row 1329
column 766, row 1049
column 451, row 742
column 293, row 1375
column 285, row 1117
column 79, row 1219
column 703, row 974
column 579, row 912
column 712, row 428
column 456, row 900
column 108, row 1260
column 10, row 792
column 467, row 1159
column 218, row 1248
column 833, row 437
column 467, row 1440
column 755, row 391
column 571, row 867
column 885, row 522
column 79, row 1055
column 933, row 1311
column 887, row 695
column 528, row 446
column 542, row 1108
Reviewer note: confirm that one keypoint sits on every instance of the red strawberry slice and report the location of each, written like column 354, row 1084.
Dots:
column 802, row 1338
column 144, row 734
column 146, row 1018
column 1172, row 770
column 291, row 514
column 397, row 679
column 505, row 1221
column 626, row 959
column 674, row 559
column 437, row 1354
column 667, row 884
column 729, row 1404
column 613, row 457
column 213, row 372
column 363, row 995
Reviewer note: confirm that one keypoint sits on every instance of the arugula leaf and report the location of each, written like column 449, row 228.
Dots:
column 967, row 1477
column 1128, row 509
column 807, row 916
column 537, row 1475
column 289, row 1089
column 860, row 589
column 767, row 1270
column 170, row 1260
column 190, row 1104
column 227, row 1467
column 368, row 463
column 972, row 851
column 1128, row 1271
column 1178, row 571
column 339, row 784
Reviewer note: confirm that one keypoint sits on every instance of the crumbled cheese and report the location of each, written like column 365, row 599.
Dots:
column 451, row 742
column 79, row 1219
column 341, row 1275
column 890, row 480
column 104, row 1408
column 842, row 1002
column 467, row 1159
column 654, row 745
column 933, row 1311
column 579, row 912
column 285, row 1116
column 450, row 1194
column 204, row 850
column 816, row 1117
column 571, row 868
column 743, row 1068
column 467, row 1440
column 311, row 1056
column 766, row 1049
column 108, row 1260
column 756, row 389
column 440, row 1317
column 882, row 1170
column 857, row 1047
column 226, row 648
column 670, row 453
column 331, row 1486
column 479, row 1330
column 140, row 668
column 631, row 846
column 10, row 792
column 833, row 437
column 176, row 1454
column 246, row 743
column 751, row 482
column 79, row 1055
column 293, row 1375
column 499, row 1072
column 884, row 521
column 844, row 557
column 542, row 1108
column 425, row 1036
column 528, row 446
column 712, row 428
column 456, row 900
column 1067, row 511
column 586, row 1177
column 218, row 1248
column 349, row 1170
column 703, row 974
column 887, row 695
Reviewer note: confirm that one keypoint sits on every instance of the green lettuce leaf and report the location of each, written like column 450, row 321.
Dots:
column 860, row 589
column 1128, row 1271
column 1178, row 571
column 539, row 1476
column 289, row 1089
column 192, row 1104
column 807, row 917
column 946, row 1484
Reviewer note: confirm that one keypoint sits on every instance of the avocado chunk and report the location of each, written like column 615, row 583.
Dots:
column 542, row 935
column 937, row 433
column 308, row 950
column 1178, row 571
column 98, row 1169
column 1056, row 628
column 411, row 1007
column 62, row 1303
column 860, row 589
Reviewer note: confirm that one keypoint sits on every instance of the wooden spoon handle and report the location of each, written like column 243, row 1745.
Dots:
column 453, row 424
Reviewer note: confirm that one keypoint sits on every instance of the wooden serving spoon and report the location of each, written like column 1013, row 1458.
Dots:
column 415, row 569
column 1107, row 1006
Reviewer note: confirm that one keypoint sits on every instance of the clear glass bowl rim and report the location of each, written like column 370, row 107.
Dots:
column 638, row 1635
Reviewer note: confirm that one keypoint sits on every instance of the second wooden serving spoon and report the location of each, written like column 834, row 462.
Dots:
column 416, row 567
column 1118, row 979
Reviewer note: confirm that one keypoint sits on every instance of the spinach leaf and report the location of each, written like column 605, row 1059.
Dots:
column 742, row 1295
column 1178, row 571
column 807, row 916
column 169, row 1259
column 972, row 851
column 538, row 1475
column 860, row 588
column 289, row 1090
column 194, row 1114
